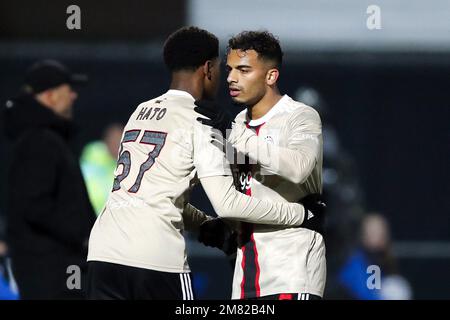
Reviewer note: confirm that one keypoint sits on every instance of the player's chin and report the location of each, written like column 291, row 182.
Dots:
column 237, row 101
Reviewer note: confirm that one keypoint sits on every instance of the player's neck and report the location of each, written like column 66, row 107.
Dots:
column 264, row 105
column 187, row 82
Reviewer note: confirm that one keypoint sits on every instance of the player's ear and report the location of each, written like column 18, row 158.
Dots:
column 207, row 69
column 272, row 76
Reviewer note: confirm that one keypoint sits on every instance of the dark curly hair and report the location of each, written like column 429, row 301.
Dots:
column 190, row 47
column 263, row 42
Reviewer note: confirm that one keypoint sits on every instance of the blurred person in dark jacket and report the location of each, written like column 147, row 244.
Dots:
column 49, row 214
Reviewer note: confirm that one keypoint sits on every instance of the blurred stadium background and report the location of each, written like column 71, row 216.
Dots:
column 383, row 96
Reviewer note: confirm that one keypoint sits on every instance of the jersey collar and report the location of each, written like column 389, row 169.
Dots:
column 180, row 93
column 273, row 111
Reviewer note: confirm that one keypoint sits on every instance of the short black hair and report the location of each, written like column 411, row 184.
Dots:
column 190, row 47
column 263, row 42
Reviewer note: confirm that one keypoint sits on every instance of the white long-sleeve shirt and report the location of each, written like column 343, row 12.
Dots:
column 164, row 152
column 285, row 147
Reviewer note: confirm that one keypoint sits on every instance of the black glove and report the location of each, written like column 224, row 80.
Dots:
column 315, row 216
column 217, row 117
column 217, row 234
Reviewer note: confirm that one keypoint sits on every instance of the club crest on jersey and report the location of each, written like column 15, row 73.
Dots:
column 269, row 139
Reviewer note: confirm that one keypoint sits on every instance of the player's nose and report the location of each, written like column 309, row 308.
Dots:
column 231, row 77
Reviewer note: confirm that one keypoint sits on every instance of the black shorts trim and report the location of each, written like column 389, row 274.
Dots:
column 110, row 281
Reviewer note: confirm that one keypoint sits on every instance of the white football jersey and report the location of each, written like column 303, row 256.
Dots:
column 163, row 152
column 276, row 259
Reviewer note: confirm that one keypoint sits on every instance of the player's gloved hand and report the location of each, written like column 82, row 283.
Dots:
column 216, row 116
column 216, row 233
column 315, row 217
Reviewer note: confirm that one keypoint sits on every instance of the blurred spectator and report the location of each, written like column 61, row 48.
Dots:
column 374, row 250
column 49, row 214
column 98, row 162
